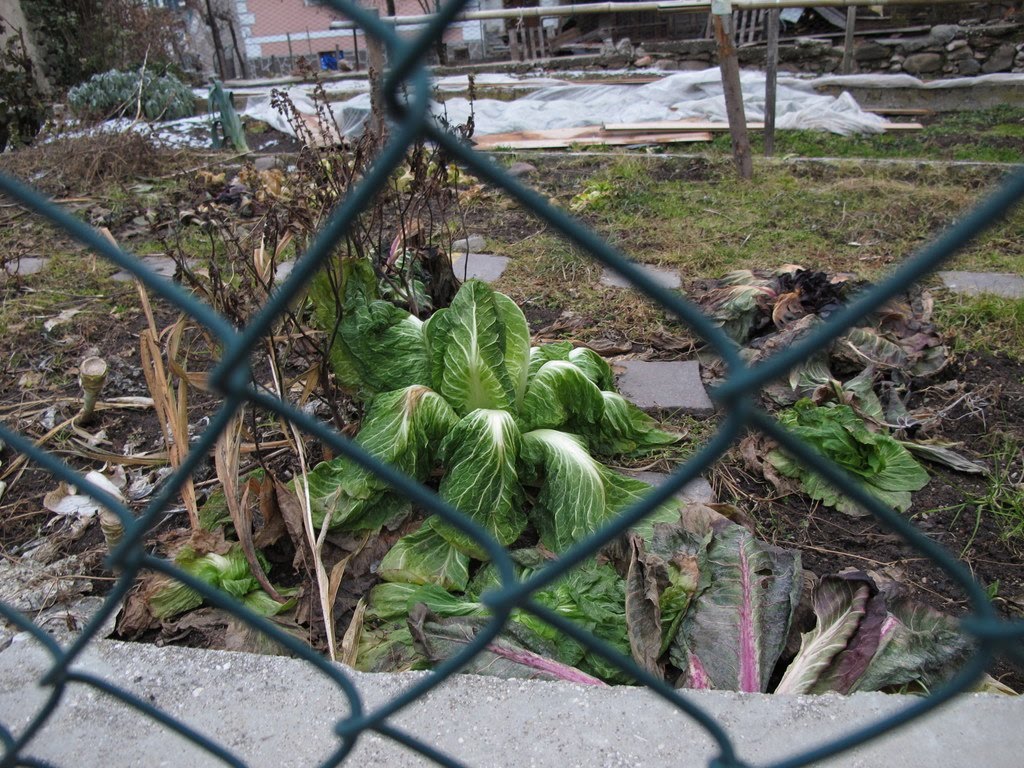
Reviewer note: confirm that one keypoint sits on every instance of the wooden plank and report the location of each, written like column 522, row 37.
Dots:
column 900, row 111
column 903, row 127
column 681, row 126
column 676, row 126
column 532, row 139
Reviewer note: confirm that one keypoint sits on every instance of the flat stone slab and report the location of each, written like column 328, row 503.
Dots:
column 164, row 266
column 482, row 266
column 666, row 278
column 697, row 491
column 277, row 711
column 674, row 386
column 1008, row 285
column 26, row 265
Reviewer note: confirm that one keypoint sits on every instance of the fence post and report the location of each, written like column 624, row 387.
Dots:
column 375, row 72
column 851, row 22
column 721, row 18
column 771, row 79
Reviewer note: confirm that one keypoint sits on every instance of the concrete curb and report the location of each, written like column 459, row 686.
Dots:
column 275, row 711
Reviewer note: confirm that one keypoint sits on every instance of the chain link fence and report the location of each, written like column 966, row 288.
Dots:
column 736, row 399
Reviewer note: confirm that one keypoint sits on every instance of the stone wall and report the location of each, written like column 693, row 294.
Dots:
column 948, row 50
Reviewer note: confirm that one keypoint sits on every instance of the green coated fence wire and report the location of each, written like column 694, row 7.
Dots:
column 407, row 90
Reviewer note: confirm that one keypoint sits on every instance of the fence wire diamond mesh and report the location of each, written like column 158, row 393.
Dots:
column 735, row 398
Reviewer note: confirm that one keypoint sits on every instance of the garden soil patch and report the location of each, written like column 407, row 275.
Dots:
column 39, row 372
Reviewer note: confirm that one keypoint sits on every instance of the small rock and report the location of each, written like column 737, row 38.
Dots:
column 943, row 33
column 671, row 65
column 521, row 169
column 471, row 244
column 624, row 47
column 921, row 63
column 265, row 163
column 1001, row 60
column 871, row 51
column 956, row 45
column 643, row 61
column 968, row 67
column 481, row 266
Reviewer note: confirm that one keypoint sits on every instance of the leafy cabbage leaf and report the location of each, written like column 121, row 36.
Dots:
column 878, row 462
column 467, row 344
column 402, row 428
column 426, row 557
column 481, row 480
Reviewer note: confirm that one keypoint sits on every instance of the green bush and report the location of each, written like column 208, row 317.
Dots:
column 114, row 93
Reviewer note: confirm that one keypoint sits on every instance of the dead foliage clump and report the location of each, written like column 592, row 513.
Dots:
column 76, row 165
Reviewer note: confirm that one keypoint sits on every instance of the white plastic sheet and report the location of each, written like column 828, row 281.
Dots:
column 566, row 105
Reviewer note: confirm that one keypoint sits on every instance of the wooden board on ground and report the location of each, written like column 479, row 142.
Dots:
column 904, row 127
column 904, row 111
column 561, row 138
column 675, row 126
column 681, row 126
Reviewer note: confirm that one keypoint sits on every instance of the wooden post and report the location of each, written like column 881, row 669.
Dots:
column 375, row 71
column 291, row 56
column 355, row 48
column 771, row 80
column 851, row 21
column 721, row 17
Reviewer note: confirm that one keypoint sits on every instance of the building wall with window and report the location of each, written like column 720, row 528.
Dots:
column 302, row 27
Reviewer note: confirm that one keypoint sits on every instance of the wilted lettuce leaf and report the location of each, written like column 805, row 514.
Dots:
column 402, row 428
column 734, row 632
column 229, row 573
column 390, row 601
column 879, row 463
column 867, row 639
column 426, row 557
column 593, row 597
column 481, row 480
column 388, row 648
column 839, row 606
column 919, row 648
column 508, row 656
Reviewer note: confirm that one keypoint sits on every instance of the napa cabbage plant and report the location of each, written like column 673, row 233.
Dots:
column 510, row 429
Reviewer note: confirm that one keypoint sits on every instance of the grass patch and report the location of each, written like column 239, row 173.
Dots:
column 851, row 218
column 984, row 323
column 994, row 135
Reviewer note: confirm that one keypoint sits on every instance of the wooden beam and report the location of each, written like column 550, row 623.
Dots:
column 851, row 21
column 771, row 79
column 675, row 126
column 728, row 63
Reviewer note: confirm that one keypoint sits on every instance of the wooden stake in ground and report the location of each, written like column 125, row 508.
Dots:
column 375, row 71
column 851, row 22
column 721, row 16
column 771, row 80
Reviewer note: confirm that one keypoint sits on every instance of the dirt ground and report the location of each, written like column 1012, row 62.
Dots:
column 39, row 389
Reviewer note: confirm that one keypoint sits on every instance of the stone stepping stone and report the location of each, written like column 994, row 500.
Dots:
column 697, row 491
column 483, row 266
column 674, row 386
column 666, row 278
column 164, row 266
column 1008, row 285
column 26, row 265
